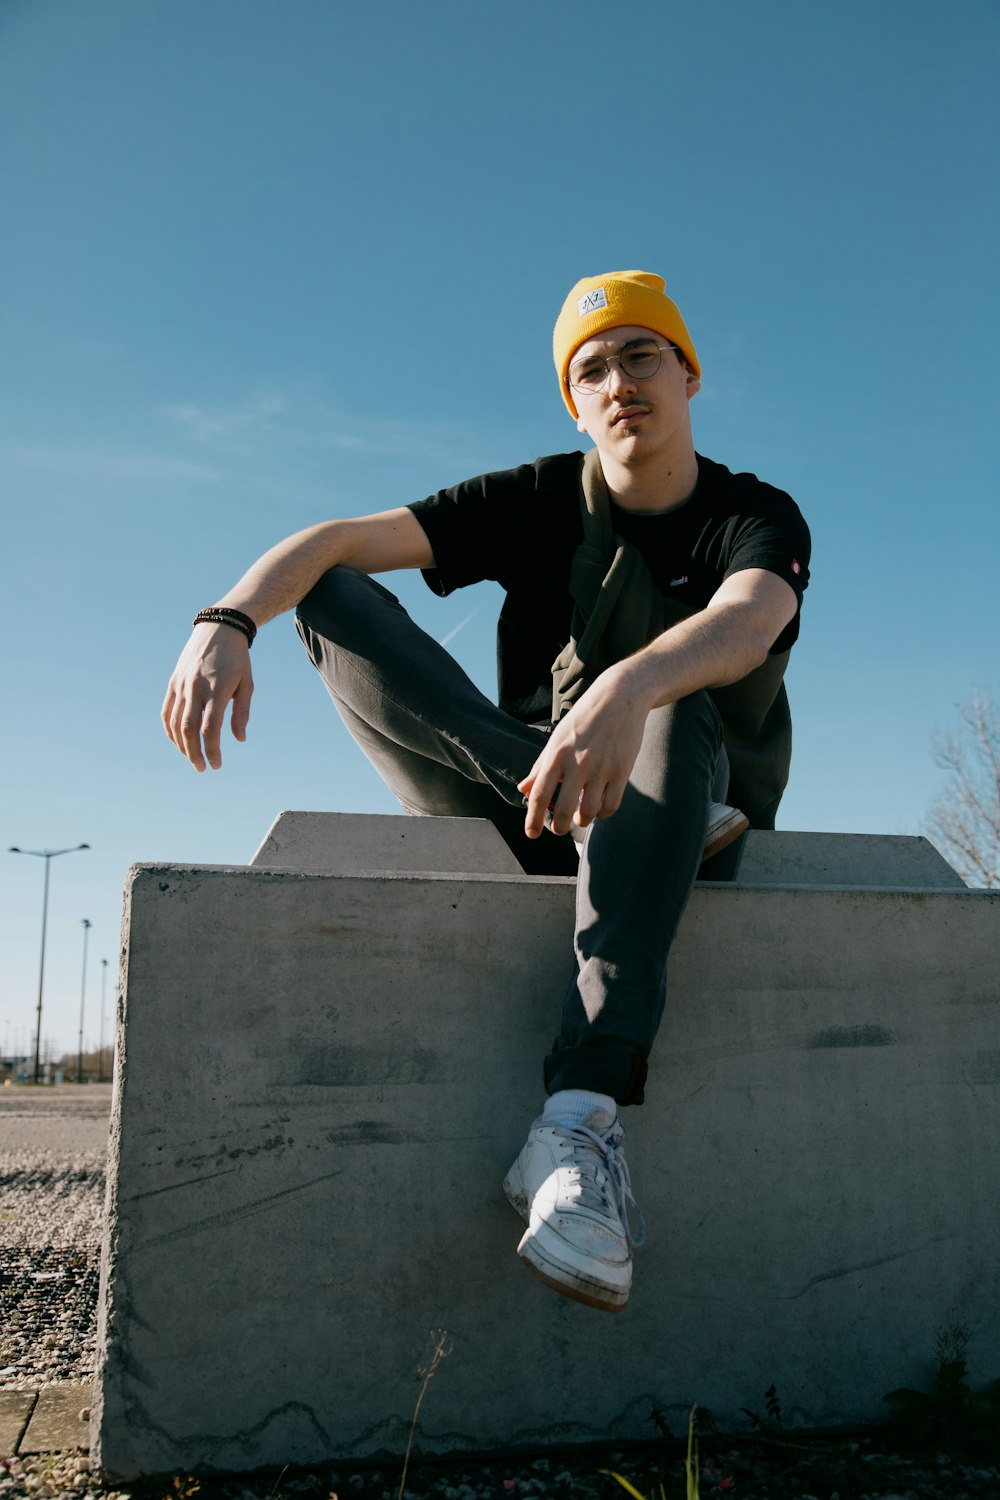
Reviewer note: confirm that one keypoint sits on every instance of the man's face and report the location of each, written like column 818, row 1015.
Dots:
column 631, row 417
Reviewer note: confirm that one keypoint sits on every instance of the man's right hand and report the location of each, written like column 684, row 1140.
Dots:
column 214, row 668
column 213, row 671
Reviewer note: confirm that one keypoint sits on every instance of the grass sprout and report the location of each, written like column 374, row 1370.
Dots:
column 692, row 1471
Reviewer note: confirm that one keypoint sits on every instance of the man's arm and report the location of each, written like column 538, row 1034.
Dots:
column 589, row 756
column 214, row 667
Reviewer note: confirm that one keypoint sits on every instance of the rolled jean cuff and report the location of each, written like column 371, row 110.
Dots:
column 614, row 1068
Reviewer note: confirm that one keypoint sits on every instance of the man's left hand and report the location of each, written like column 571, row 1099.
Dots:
column 584, row 768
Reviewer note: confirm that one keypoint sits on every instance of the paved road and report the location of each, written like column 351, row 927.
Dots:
column 53, row 1148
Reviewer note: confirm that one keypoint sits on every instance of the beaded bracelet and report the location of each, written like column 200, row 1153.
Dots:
column 219, row 615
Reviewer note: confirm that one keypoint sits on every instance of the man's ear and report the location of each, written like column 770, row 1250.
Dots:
column 693, row 384
column 581, row 425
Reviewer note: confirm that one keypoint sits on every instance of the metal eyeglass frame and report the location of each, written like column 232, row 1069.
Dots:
column 621, row 357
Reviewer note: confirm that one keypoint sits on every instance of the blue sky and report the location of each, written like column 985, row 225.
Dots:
column 265, row 262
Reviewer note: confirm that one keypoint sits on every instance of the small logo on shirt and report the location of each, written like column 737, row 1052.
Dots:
column 796, row 566
column 675, row 583
column 591, row 301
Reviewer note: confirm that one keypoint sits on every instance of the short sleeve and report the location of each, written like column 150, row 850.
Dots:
column 496, row 525
column 769, row 531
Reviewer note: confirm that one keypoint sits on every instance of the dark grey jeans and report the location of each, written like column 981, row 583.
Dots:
column 444, row 748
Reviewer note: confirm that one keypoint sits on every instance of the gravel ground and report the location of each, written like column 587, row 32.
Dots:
column 52, row 1156
column 53, row 1144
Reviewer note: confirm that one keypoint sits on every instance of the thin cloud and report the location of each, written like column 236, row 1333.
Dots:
column 304, row 426
column 109, row 464
column 223, row 426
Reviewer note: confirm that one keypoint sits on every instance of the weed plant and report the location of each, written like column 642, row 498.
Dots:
column 691, row 1470
column 952, row 1415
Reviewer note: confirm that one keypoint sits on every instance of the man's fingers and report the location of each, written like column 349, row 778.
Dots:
column 189, row 715
column 213, row 671
column 526, row 787
column 592, row 804
column 534, row 818
column 173, row 717
column 241, row 707
column 553, row 788
column 583, row 770
column 167, row 714
column 554, row 795
column 566, row 806
column 211, row 731
column 570, row 790
column 544, row 784
column 190, row 736
column 611, row 798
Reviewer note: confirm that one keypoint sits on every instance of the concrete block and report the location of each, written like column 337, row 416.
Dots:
column 332, row 843
column 322, row 1079
column 357, row 843
column 864, row 860
column 60, row 1419
column 15, row 1409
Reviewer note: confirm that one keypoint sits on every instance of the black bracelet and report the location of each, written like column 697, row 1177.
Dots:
column 218, row 614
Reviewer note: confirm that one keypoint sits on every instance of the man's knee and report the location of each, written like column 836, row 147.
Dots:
column 340, row 590
column 682, row 750
column 694, row 717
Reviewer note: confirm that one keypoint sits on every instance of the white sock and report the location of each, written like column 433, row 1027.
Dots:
column 571, row 1107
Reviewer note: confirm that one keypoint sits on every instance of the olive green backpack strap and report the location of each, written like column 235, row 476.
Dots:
column 757, row 731
column 617, row 608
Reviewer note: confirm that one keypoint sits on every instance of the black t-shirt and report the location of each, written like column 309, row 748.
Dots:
column 522, row 526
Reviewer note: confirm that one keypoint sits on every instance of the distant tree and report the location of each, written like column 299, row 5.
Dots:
column 964, row 822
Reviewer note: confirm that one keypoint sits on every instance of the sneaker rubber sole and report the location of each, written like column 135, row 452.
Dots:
column 725, row 831
column 728, row 825
column 567, row 1281
column 541, row 1251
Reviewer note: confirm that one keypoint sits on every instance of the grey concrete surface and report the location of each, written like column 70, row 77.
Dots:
column 60, row 1419
column 15, row 1409
column 863, row 860
column 331, row 843
column 328, row 843
column 322, row 1079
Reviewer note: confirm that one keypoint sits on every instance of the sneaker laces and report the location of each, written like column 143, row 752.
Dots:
column 603, row 1177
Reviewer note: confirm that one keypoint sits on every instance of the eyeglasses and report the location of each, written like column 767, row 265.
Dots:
column 640, row 361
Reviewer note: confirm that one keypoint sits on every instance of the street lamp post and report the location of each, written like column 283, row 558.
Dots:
column 100, row 1045
column 83, row 996
column 47, row 855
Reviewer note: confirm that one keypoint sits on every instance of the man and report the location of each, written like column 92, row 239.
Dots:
column 667, row 590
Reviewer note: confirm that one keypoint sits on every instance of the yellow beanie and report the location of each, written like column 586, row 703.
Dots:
column 611, row 301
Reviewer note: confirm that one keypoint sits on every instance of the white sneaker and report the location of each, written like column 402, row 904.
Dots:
column 572, row 1188
column 725, row 824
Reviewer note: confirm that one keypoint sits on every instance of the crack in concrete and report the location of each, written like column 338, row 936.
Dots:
column 196, row 1447
column 868, row 1265
column 172, row 1187
column 235, row 1215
